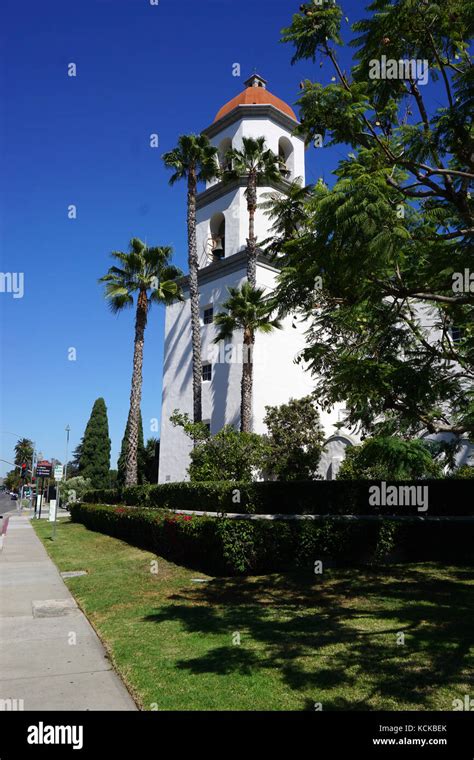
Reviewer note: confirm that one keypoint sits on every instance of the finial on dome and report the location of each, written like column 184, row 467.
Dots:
column 256, row 81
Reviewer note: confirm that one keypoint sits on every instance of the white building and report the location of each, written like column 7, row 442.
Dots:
column 222, row 231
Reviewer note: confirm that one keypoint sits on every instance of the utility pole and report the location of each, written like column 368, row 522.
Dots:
column 68, row 430
column 33, row 480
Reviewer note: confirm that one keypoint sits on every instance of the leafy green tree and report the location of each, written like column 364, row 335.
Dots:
column 260, row 166
column 197, row 431
column 95, row 453
column 390, row 332
column 389, row 458
column 13, row 480
column 228, row 455
column 147, row 273
column 74, row 489
column 295, row 439
column 287, row 213
column 195, row 160
column 247, row 310
column 141, row 456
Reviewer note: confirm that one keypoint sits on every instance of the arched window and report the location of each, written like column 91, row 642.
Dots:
column 287, row 156
column 217, row 229
column 224, row 147
column 334, row 451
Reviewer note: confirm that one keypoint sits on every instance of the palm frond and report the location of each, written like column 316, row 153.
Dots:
column 194, row 153
column 144, row 269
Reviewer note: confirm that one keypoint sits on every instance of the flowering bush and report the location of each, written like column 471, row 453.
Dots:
column 219, row 545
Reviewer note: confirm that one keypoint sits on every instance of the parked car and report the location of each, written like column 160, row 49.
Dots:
column 14, row 497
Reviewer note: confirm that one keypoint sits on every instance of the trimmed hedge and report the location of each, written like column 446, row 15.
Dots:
column 217, row 545
column 447, row 496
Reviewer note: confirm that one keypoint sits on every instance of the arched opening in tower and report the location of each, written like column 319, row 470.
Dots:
column 217, row 226
column 287, row 156
column 224, row 146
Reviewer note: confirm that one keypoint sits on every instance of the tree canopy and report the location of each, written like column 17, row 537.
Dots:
column 374, row 263
column 295, row 439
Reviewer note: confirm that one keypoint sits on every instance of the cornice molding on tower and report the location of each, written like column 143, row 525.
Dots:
column 251, row 112
column 226, row 266
column 223, row 188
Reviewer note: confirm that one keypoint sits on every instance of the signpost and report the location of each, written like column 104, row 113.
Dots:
column 43, row 470
column 53, row 504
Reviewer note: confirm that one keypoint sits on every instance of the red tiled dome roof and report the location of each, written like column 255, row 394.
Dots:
column 255, row 96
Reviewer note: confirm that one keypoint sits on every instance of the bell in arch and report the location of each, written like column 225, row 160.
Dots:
column 218, row 248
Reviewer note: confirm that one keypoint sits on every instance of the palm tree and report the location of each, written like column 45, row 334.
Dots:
column 148, row 273
column 23, row 451
column 261, row 167
column 249, row 311
column 195, row 160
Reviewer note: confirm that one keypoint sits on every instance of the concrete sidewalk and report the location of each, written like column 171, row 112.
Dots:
column 50, row 656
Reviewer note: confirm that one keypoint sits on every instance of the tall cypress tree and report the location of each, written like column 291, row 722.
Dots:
column 141, row 456
column 152, row 450
column 95, row 452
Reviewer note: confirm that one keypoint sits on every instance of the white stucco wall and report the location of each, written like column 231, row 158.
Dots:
column 233, row 206
column 220, row 396
column 277, row 378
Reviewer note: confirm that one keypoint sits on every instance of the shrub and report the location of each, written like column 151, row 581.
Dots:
column 225, row 456
column 219, row 545
column 446, row 496
column 290, row 451
column 102, row 496
column 463, row 473
column 135, row 495
column 389, row 458
column 73, row 489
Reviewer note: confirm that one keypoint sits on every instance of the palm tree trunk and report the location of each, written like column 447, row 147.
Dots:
column 247, row 384
column 133, row 424
column 194, row 299
column 252, row 241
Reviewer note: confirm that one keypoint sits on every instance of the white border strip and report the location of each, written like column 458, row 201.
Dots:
column 336, row 518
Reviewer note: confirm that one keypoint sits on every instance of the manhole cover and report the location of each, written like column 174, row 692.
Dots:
column 54, row 608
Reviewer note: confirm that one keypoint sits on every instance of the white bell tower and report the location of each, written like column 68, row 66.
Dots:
column 222, row 219
column 222, row 232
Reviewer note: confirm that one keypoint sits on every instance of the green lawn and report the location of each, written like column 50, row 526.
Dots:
column 329, row 639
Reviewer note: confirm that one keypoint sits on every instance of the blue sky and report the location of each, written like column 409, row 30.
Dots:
column 141, row 69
